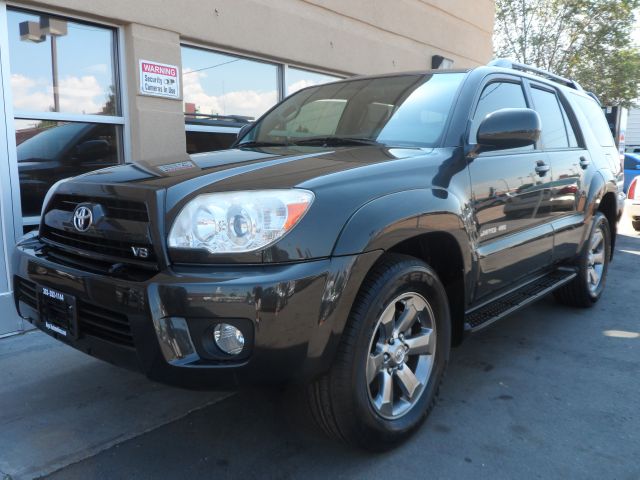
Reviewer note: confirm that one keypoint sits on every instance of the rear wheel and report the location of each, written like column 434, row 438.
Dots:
column 391, row 359
column 586, row 289
column 636, row 225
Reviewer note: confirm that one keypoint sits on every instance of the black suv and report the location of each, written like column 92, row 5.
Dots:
column 353, row 234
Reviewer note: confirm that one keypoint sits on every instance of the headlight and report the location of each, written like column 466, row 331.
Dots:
column 238, row 221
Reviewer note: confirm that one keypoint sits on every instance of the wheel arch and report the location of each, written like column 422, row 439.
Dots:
column 400, row 223
column 603, row 198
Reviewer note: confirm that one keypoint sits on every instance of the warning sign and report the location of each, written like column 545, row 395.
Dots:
column 159, row 79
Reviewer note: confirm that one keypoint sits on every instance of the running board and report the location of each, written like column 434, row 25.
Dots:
column 484, row 315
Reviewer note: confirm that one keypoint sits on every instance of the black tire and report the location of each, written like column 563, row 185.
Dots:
column 340, row 400
column 578, row 292
column 636, row 225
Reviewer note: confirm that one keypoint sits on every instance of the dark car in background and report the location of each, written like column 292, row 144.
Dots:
column 208, row 133
column 58, row 151
column 52, row 151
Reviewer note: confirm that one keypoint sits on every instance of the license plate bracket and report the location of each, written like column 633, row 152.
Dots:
column 58, row 312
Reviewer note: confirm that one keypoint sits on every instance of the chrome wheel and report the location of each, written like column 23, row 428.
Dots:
column 401, row 355
column 596, row 260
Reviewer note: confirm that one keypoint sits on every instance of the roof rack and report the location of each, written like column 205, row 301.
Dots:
column 506, row 63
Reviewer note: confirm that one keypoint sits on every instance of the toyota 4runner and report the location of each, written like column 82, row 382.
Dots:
column 353, row 234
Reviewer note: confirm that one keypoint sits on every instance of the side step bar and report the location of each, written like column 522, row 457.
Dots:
column 484, row 315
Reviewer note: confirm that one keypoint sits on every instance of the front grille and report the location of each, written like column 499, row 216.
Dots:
column 94, row 321
column 104, row 324
column 93, row 245
column 112, row 248
column 26, row 292
column 114, row 208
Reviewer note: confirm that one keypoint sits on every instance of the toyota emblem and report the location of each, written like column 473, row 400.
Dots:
column 82, row 218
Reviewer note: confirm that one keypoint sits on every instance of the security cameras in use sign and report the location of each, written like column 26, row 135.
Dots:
column 159, row 79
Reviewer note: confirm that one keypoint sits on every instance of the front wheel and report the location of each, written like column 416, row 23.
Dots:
column 636, row 225
column 391, row 359
column 593, row 264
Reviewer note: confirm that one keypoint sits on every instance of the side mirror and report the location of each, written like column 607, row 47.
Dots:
column 508, row 128
column 95, row 149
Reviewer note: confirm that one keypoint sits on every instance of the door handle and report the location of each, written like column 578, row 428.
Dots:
column 584, row 162
column 542, row 168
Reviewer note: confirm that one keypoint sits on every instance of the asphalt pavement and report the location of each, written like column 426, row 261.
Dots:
column 550, row 392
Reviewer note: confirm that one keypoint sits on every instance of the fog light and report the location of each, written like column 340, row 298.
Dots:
column 228, row 338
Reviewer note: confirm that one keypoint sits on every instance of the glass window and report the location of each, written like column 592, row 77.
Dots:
column 319, row 117
column 219, row 84
column 62, row 70
column 60, row 65
column 495, row 96
column 404, row 110
column 596, row 119
column 49, row 151
column 554, row 133
column 298, row 79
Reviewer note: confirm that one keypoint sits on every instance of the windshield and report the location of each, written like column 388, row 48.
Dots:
column 405, row 110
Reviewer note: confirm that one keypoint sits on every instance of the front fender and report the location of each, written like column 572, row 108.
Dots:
column 388, row 220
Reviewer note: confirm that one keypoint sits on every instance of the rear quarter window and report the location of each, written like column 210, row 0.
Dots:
column 597, row 121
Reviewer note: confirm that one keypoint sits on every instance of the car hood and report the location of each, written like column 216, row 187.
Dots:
column 343, row 180
column 246, row 169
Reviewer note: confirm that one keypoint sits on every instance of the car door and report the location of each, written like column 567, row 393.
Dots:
column 570, row 164
column 508, row 187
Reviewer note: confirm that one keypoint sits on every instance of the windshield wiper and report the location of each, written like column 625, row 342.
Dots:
column 263, row 144
column 334, row 141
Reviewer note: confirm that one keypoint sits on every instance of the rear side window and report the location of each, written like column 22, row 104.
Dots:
column 597, row 120
column 554, row 132
column 495, row 96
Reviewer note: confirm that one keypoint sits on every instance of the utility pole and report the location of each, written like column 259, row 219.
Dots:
column 524, row 31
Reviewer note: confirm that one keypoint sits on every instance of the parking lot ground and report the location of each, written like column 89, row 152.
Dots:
column 550, row 392
column 58, row 406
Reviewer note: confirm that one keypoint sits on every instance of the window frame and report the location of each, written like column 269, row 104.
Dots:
column 564, row 106
column 11, row 114
column 488, row 80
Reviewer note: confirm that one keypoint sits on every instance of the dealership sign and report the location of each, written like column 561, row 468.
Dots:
column 159, row 79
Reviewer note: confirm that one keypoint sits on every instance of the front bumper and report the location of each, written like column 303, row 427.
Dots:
column 292, row 316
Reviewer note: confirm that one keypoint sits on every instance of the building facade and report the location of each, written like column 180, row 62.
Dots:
column 86, row 85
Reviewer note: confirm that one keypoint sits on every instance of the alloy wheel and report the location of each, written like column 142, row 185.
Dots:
column 401, row 355
column 596, row 259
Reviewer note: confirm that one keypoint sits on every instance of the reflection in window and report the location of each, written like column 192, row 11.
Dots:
column 219, row 84
column 554, row 132
column 60, row 65
column 298, row 79
column 198, row 142
column 49, row 151
column 402, row 110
